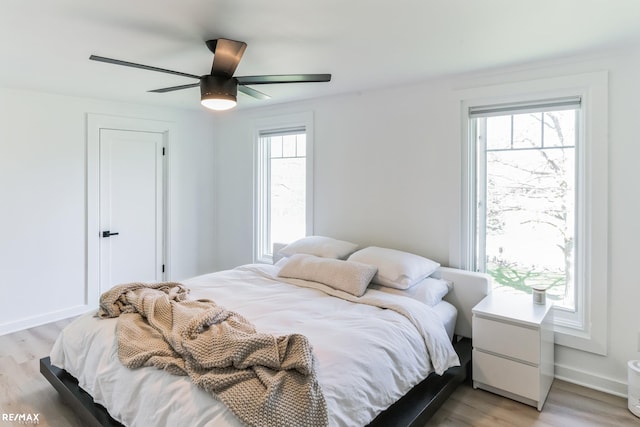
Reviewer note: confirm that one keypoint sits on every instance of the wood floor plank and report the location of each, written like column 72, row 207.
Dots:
column 13, row 345
column 567, row 405
column 24, row 390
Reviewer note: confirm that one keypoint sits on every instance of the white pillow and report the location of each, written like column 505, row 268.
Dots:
column 429, row 290
column 321, row 246
column 347, row 276
column 396, row 269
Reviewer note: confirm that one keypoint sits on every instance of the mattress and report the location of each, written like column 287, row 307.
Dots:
column 404, row 342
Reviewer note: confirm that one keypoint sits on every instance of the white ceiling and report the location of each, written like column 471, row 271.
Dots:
column 45, row 44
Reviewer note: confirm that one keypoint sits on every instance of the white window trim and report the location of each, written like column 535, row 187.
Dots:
column 260, row 174
column 593, row 196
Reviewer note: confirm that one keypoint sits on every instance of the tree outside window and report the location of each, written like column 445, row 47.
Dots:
column 526, row 203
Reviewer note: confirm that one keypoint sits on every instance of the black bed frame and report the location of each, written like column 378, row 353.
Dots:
column 413, row 410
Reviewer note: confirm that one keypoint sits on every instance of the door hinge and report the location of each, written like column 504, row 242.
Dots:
column 163, row 151
column 163, row 268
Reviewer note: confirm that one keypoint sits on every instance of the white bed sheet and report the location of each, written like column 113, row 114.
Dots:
column 368, row 357
column 448, row 313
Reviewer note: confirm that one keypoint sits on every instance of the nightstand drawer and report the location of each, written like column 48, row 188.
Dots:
column 506, row 339
column 505, row 374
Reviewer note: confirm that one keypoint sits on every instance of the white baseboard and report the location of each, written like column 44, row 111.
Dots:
column 33, row 321
column 589, row 380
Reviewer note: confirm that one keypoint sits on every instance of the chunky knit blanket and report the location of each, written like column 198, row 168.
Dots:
column 265, row 380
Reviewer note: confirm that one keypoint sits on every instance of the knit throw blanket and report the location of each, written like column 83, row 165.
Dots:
column 264, row 380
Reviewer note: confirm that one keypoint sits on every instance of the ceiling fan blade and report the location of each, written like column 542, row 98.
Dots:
column 252, row 92
column 171, row 89
column 226, row 55
column 144, row 67
column 283, row 78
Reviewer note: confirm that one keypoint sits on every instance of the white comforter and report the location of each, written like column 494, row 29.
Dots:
column 368, row 357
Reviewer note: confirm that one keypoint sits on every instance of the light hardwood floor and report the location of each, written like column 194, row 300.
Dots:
column 24, row 390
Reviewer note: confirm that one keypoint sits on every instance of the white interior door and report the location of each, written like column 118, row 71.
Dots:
column 131, row 207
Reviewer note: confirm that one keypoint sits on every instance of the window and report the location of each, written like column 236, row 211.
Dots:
column 526, row 196
column 283, row 183
column 534, row 197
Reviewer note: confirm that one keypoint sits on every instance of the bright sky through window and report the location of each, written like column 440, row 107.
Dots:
column 288, row 187
column 526, row 202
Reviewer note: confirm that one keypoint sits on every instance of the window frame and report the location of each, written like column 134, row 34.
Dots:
column 587, row 328
column 262, row 184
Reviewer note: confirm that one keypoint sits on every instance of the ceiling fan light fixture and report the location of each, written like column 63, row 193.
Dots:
column 218, row 92
column 218, row 103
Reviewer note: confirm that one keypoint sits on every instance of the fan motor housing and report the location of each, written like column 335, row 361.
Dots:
column 212, row 86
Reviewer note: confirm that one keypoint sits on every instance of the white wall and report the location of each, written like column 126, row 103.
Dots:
column 377, row 178
column 43, row 200
column 387, row 172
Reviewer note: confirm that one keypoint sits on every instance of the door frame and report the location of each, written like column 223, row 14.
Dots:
column 96, row 122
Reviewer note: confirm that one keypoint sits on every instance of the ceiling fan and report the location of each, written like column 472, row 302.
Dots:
column 219, row 89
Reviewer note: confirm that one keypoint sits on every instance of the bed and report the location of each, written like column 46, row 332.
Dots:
column 369, row 349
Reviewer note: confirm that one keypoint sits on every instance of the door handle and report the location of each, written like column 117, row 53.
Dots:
column 108, row 234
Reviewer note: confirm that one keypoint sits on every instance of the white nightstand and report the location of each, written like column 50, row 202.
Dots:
column 513, row 348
